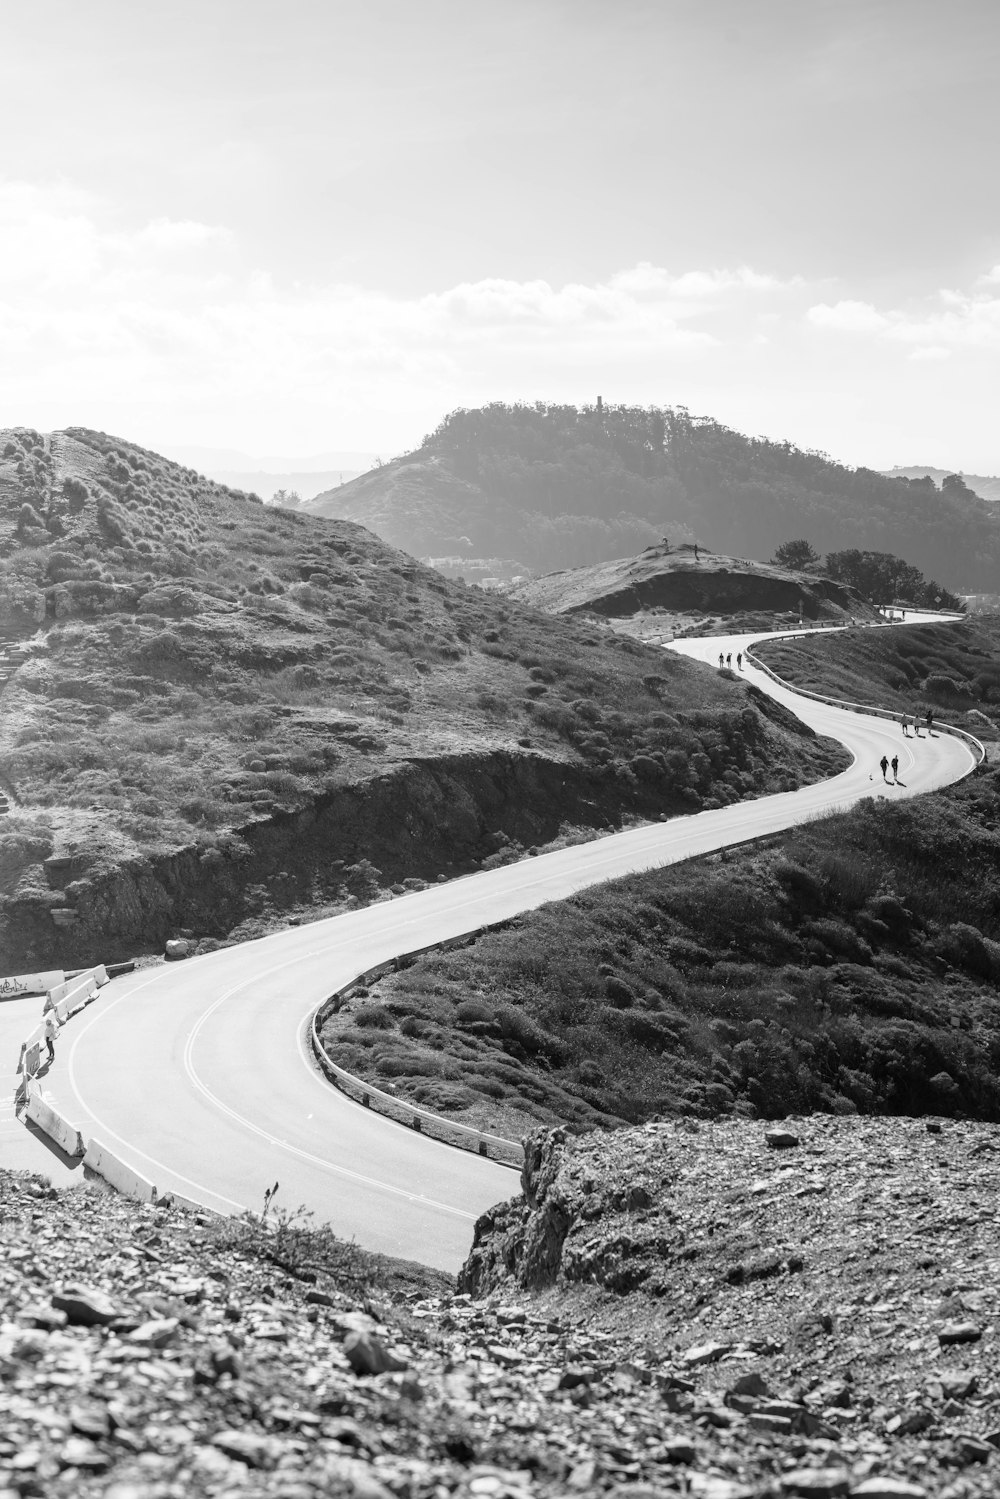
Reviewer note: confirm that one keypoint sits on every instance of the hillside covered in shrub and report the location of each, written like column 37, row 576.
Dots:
column 951, row 669
column 547, row 486
column 227, row 710
column 850, row 966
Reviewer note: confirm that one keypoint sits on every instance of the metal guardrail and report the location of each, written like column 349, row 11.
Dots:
column 978, row 748
column 465, row 1136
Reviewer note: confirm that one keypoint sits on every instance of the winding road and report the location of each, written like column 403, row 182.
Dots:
column 198, row 1074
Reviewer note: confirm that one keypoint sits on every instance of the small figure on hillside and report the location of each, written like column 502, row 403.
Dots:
column 729, row 659
column 884, row 762
column 51, row 1032
column 895, row 767
column 696, row 551
column 739, row 659
column 721, row 660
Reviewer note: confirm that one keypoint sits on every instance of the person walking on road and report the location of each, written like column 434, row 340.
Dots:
column 51, row 1032
column 884, row 763
column 729, row 659
column 895, row 767
column 739, row 659
column 721, row 660
column 906, row 726
column 916, row 727
column 930, row 721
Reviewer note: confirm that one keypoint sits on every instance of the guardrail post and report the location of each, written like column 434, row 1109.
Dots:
column 416, row 1123
column 483, row 1148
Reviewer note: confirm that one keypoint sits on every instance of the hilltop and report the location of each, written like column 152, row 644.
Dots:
column 225, row 715
column 681, row 580
column 540, row 487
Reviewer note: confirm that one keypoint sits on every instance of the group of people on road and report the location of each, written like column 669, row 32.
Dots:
column 914, row 724
column 884, row 764
column 909, row 722
column 727, row 660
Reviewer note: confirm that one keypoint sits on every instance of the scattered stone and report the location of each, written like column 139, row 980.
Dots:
column 704, row 1353
column 91, row 1420
column 909, row 1424
column 959, row 1332
column 157, row 1333
column 85, row 1306
column 816, row 1483
column 970, row 1449
column 780, row 1139
column 752, row 1383
column 367, row 1355
column 245, row 1447
column 78, row 1452
column 888, row 1488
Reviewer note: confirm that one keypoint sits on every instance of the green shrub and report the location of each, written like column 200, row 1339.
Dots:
column 374, row 1017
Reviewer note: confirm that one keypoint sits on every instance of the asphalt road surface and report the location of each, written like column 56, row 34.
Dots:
column 197, row 1073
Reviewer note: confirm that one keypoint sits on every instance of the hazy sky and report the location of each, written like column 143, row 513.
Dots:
column 297, row 227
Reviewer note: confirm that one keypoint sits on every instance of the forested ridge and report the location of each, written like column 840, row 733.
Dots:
column 558, row 486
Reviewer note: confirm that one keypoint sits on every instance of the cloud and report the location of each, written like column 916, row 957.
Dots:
column 168, row 309
column 847, row 317
column 933, row 327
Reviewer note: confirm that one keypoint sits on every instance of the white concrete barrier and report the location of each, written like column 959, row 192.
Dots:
column 79, row 993
column 30, row 983
column 59, row 1130
column 505, row 1152
column 105, row 1164
column 31, row 1059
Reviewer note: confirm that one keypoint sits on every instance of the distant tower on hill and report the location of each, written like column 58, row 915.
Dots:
column 600, row 406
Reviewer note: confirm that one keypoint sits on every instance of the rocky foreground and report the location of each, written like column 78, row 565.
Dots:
column 727, row 1311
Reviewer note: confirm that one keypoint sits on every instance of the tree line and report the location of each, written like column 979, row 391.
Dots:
column 879, row 577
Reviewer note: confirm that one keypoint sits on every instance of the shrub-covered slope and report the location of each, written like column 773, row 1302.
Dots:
column 852, row 965
column 550, row 487
column 198, row 665
column 952, row 669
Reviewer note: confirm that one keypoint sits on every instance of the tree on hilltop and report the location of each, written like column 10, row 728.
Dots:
column 880, row 578
column 795, row 554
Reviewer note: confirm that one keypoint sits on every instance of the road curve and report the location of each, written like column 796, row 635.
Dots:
column 197, row 1074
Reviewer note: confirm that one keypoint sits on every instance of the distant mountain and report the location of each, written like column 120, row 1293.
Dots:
column 981, row 484
column 547, row 487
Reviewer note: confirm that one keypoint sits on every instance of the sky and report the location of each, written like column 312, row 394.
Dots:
column 320, row 225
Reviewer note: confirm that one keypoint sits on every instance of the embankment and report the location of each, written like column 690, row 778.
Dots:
column 418, row 819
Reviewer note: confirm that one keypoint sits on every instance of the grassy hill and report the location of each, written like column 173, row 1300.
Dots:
column 848, row 966
column 228, row 715
column 545, row 487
